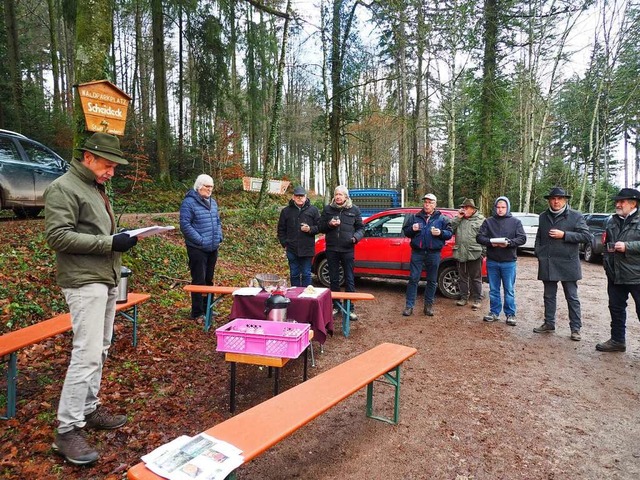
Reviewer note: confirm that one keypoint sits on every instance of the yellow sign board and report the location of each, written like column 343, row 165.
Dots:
column 104, row 106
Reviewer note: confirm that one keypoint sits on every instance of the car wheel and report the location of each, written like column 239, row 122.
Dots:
column 323, row 273
column 588, row 253
column 448, row 281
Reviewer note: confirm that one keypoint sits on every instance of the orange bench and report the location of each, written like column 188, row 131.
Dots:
column 261, row 427
column 344, row 303
column 13, row 341
column 212, row 300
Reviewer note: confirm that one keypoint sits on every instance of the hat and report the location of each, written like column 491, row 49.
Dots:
column 105, row 146
column 627, row 194
column 468, row 202
column 557, row 192
column 430, row 196
column 299, row 191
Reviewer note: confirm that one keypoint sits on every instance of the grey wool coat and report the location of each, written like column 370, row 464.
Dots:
column 559, row 258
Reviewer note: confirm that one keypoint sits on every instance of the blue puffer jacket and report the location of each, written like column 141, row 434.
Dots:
column 200, row 223
column 422, row 239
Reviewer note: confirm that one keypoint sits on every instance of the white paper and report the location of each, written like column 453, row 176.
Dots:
column 317, row 291
column 201, row 458
column 247, row 291
column 148, row 231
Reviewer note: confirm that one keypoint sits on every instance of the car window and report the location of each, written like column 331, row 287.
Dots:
column 529, row 221
column 40, row 155
column 8, row 150
column 388, row 226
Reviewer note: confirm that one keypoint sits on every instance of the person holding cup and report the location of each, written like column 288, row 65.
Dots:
column 561, row 230
column 622, row 265
column 297, row 229
column 428, row 230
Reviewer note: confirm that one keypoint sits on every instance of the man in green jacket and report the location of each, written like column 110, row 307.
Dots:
column 468, row 253
column 81, row 228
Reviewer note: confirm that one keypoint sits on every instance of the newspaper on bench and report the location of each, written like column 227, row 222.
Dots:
column 194, row 458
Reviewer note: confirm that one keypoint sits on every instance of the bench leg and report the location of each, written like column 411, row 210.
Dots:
column 345, row 307
column 310, row 347
column 232, row 388
column 211, row 303
column 392, row 378
column 306, row 361
column 12, row 378
column 133, row 318
column 276, row 381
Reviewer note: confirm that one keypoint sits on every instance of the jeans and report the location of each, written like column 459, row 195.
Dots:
column 429, row 261
column 470, row 280
column 573, row 303
column 299, row 270
column 618, row 295
column 334, row 260
column 202, row 266
column 93, row 308
column 502, row 273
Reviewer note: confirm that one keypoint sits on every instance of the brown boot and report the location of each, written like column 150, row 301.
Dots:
column 101, row 419
column 74, row 448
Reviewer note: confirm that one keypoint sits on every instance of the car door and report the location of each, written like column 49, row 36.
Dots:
column 16, row 175
column 384, row 250
column 46, row 166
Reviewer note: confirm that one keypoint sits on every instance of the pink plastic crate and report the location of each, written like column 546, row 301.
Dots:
column 261, row 337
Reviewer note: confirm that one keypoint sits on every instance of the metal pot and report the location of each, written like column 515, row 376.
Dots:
column 276, row 307
column 123, row 286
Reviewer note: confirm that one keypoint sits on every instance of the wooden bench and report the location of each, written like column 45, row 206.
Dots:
column 212, row 300
column 261, row 427
column 13, row 341
column 344, row 300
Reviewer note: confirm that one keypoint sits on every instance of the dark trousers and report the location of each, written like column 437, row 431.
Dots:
column 202, row 266
column 470, row 280
column 618, row 295
column 335, row 260
column 573, row 303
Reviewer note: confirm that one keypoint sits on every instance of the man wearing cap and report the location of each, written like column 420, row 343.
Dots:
column 428, row 230
column 560, row 232
column 468, row 253
column 80, row 226
column 297, row 228
column 622, row 265
column 341, row 221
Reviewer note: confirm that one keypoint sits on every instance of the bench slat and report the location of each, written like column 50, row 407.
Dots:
column 261, row 427
column 213, row 289
column 353, row 296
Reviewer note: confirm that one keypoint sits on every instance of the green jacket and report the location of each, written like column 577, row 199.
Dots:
column 465, row 230
column 623, row 268
column 79, row 225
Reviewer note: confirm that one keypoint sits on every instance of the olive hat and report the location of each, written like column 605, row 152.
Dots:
column 106, row 146
column 627, row 194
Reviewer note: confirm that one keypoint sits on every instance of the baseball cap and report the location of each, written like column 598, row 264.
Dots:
column 430, row 196
column 299, row 191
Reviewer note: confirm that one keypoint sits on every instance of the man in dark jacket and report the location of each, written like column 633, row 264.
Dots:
column 428, row 230
column 622, row 265
column 80, row 226
column 502, row 234
column 341, row 221
column 297, row 228
column 560, row 232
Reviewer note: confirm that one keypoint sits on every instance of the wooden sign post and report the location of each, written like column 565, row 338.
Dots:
column 104, row 106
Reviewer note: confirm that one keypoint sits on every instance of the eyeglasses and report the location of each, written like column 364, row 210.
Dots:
column 207, row 186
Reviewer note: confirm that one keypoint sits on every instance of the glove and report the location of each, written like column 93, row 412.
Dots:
column 123, row 242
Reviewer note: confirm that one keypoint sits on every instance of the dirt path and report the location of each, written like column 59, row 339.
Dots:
column 480, row 401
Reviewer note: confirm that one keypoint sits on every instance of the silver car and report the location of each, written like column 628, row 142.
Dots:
column 26, row 170
column 530, row 225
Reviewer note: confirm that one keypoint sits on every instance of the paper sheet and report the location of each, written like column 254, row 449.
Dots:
column 148, row 231
column 247, row 291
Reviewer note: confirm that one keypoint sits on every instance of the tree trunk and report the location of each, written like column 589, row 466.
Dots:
column 55, row 64
column 13, row 57
column 160, row 78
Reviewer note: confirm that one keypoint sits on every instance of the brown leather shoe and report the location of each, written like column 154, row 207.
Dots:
column 611, row 346
column 428, row 310
column 74, row 448
column 407, row 312
column 544, row 328
column 101, row 419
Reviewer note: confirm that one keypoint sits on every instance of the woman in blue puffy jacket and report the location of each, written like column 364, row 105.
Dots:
column 202, row 230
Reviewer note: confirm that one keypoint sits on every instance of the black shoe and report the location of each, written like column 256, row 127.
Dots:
column 74, row 447
column 100, row 419
column 611, row 346
column 428, row 310
column 407, row 312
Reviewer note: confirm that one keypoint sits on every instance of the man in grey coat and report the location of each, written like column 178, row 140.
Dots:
column 560, row 231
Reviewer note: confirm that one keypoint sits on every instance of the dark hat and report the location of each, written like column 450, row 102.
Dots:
column 468, row 202
column 299, row 191
column 557, row 192
column 105, row 146
column 430, row 196
column 627, row 194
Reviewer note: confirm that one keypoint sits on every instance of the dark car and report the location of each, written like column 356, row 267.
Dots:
column 26, row 170
column 596, row 222
column 384, row 252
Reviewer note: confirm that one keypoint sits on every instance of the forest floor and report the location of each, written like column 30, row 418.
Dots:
column 479, row 400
